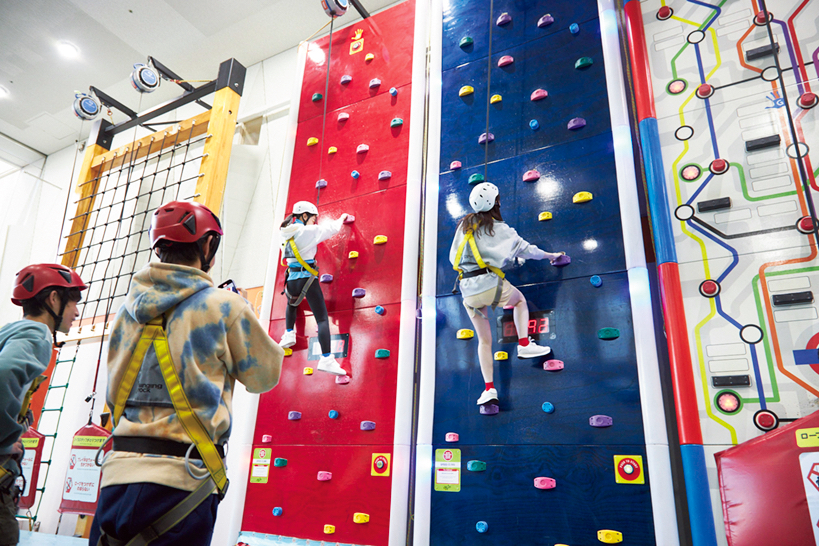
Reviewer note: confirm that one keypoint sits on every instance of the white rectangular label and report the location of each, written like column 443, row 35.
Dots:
column 733, row 16
column 733, row 216
column 260, row 471
column 753, row 121
column 789, row 285
column 751, row 109
column 673, row 31
column 792, row 315
column 759, row 132
column 768, row 170
column 736, row 27
column 764, row 157
column 779, row 208
column 726, row 349
column 82, row 480
column 730, row 365
column 673, row 42
column 447, row 472
column 27, row 466
column 809, row 463
column 753, row 44
column 773, row 183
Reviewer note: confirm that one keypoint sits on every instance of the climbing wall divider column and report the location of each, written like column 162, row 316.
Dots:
column 654, row 425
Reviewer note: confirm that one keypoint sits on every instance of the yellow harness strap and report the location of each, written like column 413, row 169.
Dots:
column 469, row 237
column 301, row 261
column 21, row 417
column 154, row 334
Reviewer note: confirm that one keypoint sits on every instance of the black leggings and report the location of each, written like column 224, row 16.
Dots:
column 315, row 299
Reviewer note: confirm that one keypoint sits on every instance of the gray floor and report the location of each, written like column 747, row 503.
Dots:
column 41, row 539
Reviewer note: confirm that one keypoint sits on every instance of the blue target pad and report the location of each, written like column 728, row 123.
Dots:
column 589, row 232
column 585, row 499
column 599, row 378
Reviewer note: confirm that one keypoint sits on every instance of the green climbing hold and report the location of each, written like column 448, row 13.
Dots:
column 476, row 179
column 476, row 466
column 396, row 122
column 608, row 333
column 583, row 62
column 278, row 461
column 382, row 353
column 466, row 41
column 317, row 97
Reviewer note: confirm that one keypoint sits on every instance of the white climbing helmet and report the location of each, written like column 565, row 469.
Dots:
column 304, row 206
column 483, row 197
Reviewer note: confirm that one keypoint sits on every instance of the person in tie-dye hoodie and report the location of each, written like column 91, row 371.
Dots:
column 214, row 340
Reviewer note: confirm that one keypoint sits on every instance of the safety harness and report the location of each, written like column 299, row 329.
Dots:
column 483, row 267
column 295, row 301
column 9, row 466
column 211, row 455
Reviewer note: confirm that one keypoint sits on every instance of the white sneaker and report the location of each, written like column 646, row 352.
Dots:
column 329, row 364
column 532, row 350
column 488, row 396
column 288, row 339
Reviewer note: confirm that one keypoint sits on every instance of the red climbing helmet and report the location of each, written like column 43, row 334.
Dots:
column 33, row 279
column 183, row 222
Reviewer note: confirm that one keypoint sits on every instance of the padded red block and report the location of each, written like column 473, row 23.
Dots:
column 762, row 488
column 387, row 35
column 377, row 268
column 369, row 396
column 308, row 504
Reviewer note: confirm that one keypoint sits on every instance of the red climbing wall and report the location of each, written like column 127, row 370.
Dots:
column 316, row 442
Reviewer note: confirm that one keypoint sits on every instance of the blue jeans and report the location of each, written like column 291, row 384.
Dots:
column 125, row 510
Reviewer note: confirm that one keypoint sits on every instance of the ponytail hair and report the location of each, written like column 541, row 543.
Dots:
column 482, row 221
column 288, row 220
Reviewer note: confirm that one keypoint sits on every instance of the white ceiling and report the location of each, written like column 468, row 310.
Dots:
column 191, row 37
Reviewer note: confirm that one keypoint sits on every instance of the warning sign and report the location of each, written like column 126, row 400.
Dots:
column 260, row 469
column 448, row 470
column 629, row 469
column 809, row 463
column 82, row 481
column 381, row 464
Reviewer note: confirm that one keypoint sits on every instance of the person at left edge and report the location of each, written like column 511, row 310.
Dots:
column 176, row 349
column 48, row 294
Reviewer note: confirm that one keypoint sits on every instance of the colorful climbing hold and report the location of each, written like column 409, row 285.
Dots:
column 506, row 60
column 355, row 174
column 294, row 415
column 531, row 176
column 486, row 138
column 333, row 414
column 267, row 438
column 317, row 97
column 345, row 79
column 331, row 150
column 455, row 165
column 501, row 355
column 324, row 476
column 380, row 310
column 608, row 333
column 534, row 125
column 543, row 216
column 465, row 333
column 360, row 517
column 482, row 526
column 490, row 409
column 342, row 379
column 583, row 62
column 367, row 425
column 452, row 437
column 320, row 184
column 382, row 353
column 279, row 462
column 384, row 175
column 495, row 98
column 476, row 466
column 326, row 278
column 329, row 529
column 343, row 116
column 553, row 365
column 542, row 482
column 504, row 19
column 369, row 57
column 277, row 511
column 576, row 123
column 596, row 281
column 359, row 292
column 393, row 91
column 476, row 178
column 288, row 351
column 705, row 90
column 466, row 41
column 466, row 90
column 312, row 141
column 548, row 407
column 380, row 240
column 538, row 94
column 375, row 82
column 362, row 148
column 609, row 537
column 582, row 197
column 562, row 261
column 574, row 28
column 352, row 254
column 308, row 370
column 396, row 122
column 545, row 21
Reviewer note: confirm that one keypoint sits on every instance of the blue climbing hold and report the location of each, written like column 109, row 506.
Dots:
column 393, row 91
column 574, row 28
column 333, row 414
column 482, row 526
column 596, row 281
column 355, row 174
column 380, row 310
column 534, row 125
column 548, row 407
column 277, row 511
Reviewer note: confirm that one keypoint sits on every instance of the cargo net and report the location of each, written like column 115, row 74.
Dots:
column 111, row 245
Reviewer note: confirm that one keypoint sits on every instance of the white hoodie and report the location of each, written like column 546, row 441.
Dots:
column 307, row 239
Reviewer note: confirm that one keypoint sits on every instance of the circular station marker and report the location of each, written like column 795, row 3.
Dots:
column 684, row 212
column 677, row 86
column 696, row 37
column 664, row 13
column 804, row 149
column 766, row 420
column 751, row 334
column 705, row 90
column 808, row 100
column 710, row 288
column 805, row 225
column 691, row 172
column 728, row 402
column 719, row 166
column 684, row 133
column 770, row 74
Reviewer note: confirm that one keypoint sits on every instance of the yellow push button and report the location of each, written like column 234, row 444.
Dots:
column 582, row 197
column 609, row 537
column 360, row 517
column 543, row 216
column 465, row 333
column 501, row 355
column 380, row 239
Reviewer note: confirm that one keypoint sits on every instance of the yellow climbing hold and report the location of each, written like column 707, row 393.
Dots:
column 369, row 57
column 308, row 371
column 332, row 150
column 465, row 333
column 353, row 254
column 543, row 216
column 360, row 517
column 582, row 197
column 501, row 355
column 380, row 239
column 466, row 90
column 329, row 529
column 495, row 98
column 312, row 141
column 609, row 537
column 288, row 351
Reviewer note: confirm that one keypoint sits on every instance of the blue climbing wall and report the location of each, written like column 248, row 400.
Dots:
column 523, row 442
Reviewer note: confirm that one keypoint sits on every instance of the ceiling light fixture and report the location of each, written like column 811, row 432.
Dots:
column 68, row 50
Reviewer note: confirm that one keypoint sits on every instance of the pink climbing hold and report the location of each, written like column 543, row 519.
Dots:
column 506, row 60
column 539, row 94
column 542, row 482
column 455, row 165
column 452, row 437
column 362, row 148
column 343, row 116
column 267, row 438
column 350, row 219
column 342, row 379
column 531, row 176
column 324, row 476
column 553, row 365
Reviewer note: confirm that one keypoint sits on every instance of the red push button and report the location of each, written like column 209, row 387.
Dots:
column 762, row 17
column 805, row 225
column 705, row 90
column 719, row 166
column 664, row 13
column 709, row 288
column 808, row 100
column 766, row 421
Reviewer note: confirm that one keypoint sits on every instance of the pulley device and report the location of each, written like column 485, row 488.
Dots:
column 335, row 8
column 86, row 107
column 144, row 78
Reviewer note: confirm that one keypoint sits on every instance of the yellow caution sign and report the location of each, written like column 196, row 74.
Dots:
column 465, row 333
column 807, row 437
